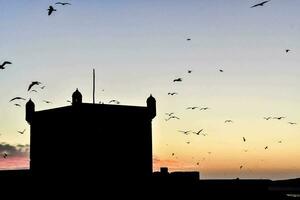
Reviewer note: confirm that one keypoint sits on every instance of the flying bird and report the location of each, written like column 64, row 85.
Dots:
column 198, row 163
column 188, row 142
column 279, row 118
column 198, row 133
column 18, row 105
column 17, row 98
column 287, row 50
column 114, row 101
column 43, row 87
column 266, row 147
column 188, row 39
column 47, row 101
column 33, row 91
column 169, row 114
column 267, row 118
column 204, row 108
column 69, row 101
column 260, row 4
column 189, row 71
column 241, row 166
column 185, row 132
column 177, row 80
column 173, row 154
column 228, row 121
column 62, row 3
column 221, row 70
column 280, row 141
column 5, row 63
column 172, row 117
column 5, row 155
column 33, row 83
column 50, row 10
column 172, row 93
column 292, row 123
column 22, row 132
column 191, row 108
column 244, row 139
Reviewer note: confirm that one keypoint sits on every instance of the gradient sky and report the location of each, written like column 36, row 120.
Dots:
column 138, row 47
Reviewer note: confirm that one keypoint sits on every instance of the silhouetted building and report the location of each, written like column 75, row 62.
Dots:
column 91, row 140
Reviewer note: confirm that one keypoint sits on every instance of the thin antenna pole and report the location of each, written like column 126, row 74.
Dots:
column 93, row 86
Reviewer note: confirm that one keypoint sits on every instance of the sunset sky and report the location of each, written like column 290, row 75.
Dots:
column 138, row 47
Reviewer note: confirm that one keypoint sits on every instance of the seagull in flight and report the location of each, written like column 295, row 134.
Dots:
column 22, row 132
column 169, row 114
column 266, row 147
column 267, row 118
column 177, row 80
column 50, row 10
column 4, row 155
column 188, row 142
column 241, row 166
column 260, row 4
column 228, row 121
column 287, row 50
column 172, row 93
column 47, row 101
column 191, row 108
column 17, row 98
column 62, row 3
column 198, row 133
column 33, row 83
column 204, row 108
column 5, row 63
column 114, row 101
column 43, row 87
column 173, row 154
column 188, row 39
column 172, row 117
column 185, row 132
column 189, row 71
column 244, row 139
column 279, row 118
column 292, row 123
column 221, row 70
column 33, row 91
column 18, row 105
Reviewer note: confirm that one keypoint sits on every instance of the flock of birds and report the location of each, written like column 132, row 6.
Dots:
column 172, row 115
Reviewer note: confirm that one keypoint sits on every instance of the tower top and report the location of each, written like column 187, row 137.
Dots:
column 76, row 97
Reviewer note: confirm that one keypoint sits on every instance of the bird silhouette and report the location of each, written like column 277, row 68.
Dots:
column 43, row 87
column 198, row 163
column 47, row 101
column 18, row 105
column 287, row 50
column 244, row 139
column 69, row 101
column 280, row 141
column 191, row 108
column 189, row 71
column 5, row 63
column 266, row 147
column 172, row 117
column 33, row 91
column 169, row 114
column 292, row 123
column 4, row 155
column 279, row 118
column 114, row 101
column 188, row 39
column 177, row 80
column 17, row 98
column 198, row 133
column 260, row 4
column 267, row 118
column 204, row 108
column 241, row 166
column 172, row 93
column 188, row 142
column 22, row 132
column 221, row 70
column 228, row 121
column 62, row 3
column 185, row 132
column 50, row 10
column 173, row 154
column 33, row 83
